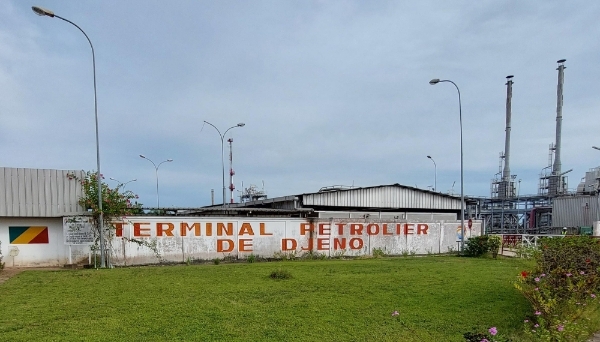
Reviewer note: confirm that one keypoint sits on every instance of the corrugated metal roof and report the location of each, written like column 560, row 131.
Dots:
column 39, row 192
column 383, row 196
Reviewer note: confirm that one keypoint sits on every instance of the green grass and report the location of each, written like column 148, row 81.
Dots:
column 438, row 298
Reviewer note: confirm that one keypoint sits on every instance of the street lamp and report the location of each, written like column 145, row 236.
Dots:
column 156, row 169
column 596, row 147
column 121, row 184
column 241, row 124
column 462, row 192
column 44, row 12
column 435, row 175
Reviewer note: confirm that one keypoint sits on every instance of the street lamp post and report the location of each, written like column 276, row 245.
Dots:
column 241, row 124
column 156, row 169
column 435, row 174
column 462, row 192
column 121, row 184
column 596, row 147
column 44, row 12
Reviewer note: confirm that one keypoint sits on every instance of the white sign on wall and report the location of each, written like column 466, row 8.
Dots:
column 77, row 230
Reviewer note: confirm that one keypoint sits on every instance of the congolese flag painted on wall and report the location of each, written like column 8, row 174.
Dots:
column 28, row 235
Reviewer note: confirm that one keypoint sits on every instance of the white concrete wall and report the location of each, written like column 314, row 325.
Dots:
column 209, row 238
column 53, row 253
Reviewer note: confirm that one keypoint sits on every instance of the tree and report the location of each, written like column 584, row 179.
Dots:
column 116, row 204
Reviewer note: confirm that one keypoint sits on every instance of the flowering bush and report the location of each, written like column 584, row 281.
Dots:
column 562, row 288
column 115, row 203
column 491, row 335
column 1, row 257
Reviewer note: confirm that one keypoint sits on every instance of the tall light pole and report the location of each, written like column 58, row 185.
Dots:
column 596, row 147
column 241, row 124
column 462, row 192
column 44, row 12
column 156, row 169
column 121, row 184
column 435, row 174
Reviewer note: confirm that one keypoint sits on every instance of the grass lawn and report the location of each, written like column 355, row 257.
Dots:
column 438, row 298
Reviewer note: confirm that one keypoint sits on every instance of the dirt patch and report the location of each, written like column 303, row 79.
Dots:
column 10, row 272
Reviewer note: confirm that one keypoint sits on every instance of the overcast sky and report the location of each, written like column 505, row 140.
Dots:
column 331, row 92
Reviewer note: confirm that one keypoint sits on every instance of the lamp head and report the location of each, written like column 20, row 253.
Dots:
column 429, row 157
column 241, row 124
column 169, row 160
column 42, row 11
column 142, row 156
column 434, row 81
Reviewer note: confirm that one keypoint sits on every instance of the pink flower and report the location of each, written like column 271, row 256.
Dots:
column 537, row 279
column 537, row 289
column 582, row 273
column 395, row 313
column 568, row 274
column 493, row 331
column 560, row 327
column 593, row 295
column 543, row 275
column 484, row 340
column 526, row 321
column 537, row 313
column 537, row 325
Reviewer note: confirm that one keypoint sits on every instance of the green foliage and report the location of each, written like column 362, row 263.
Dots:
column 404, row 252
column 311, row 255
column 476, row 246
column 379, row 253
column 251, row 258
column 1, row 257
column 526, row 251
column 216, row 261
column 115, row 204
column 280, row 274
column 562, row 288
column 491, row 335
column 285, row 256
column 494, row 244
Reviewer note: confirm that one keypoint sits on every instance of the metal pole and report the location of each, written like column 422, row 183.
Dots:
column 462, row 192
column 44, row 12
column 222, row 136
column 156, row 171
column 435, row 174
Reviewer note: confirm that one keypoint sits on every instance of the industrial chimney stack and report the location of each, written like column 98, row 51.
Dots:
column 557, row 183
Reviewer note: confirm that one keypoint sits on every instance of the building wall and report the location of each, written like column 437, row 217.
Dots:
column 391, row 196
column 49, row 250
column 575, row 211
column 39, row 192
column 182, row 239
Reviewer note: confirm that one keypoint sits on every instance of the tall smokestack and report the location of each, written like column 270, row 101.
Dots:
column 559, row 104
column 506, row 171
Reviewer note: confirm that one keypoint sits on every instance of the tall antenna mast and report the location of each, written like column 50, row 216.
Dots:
column 231, row 172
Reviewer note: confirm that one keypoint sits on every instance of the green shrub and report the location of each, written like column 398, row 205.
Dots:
column 476, row 246
column 494, row 244
column 1, row 257
column 251, row 258
column 280, row 273
column 216, row 261
column 562, row 288
column 378, row 253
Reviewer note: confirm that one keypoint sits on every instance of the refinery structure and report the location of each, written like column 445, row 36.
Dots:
column 554, row 208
